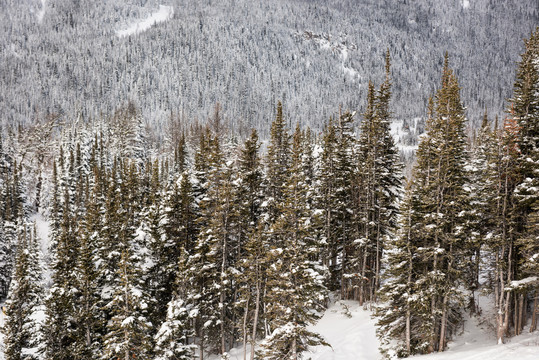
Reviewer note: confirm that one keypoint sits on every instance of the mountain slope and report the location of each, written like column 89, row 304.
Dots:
column 66, row 56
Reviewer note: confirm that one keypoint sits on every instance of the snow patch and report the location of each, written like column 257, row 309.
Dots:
column 43, row 230
column 338, row 45
column 163, row 14
column 465, row 4
column 41, row 13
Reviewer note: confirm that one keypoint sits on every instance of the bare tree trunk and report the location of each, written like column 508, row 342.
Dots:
column 533, row 325
column 294, row 349
column 409, row 284
column 255, row 320
column 363, row 269
column 433, row 303
column 443, row 325
column 245, row 315
column 377, row 265
column 502, row 330
column 505, row 325
column 519, row 323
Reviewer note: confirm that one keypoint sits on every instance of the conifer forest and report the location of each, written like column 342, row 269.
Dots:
column 201, row 186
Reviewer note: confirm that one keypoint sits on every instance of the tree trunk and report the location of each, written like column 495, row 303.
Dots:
column 519, row 323
column 201, row 355
column 409, row 285
column 377, row 263
column 443, row 325
column 255, row 319
column 533, row 325
column 245, row 329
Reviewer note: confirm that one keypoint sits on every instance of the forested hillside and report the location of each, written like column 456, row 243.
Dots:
column 62, row 57
column 184, row 180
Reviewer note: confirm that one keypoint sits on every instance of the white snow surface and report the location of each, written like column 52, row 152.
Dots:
column 43, row 233
column 163, row 14
column 41, row 13
column 350, row 330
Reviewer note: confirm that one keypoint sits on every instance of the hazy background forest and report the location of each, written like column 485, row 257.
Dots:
column 64, row 57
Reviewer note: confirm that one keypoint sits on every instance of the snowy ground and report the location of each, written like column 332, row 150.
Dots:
column 163, row 14
column 351, row 332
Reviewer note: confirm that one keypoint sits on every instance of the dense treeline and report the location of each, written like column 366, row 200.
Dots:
column 65, row 56
column 216, row 244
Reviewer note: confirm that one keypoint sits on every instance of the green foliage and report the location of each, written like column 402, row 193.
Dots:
column 23, row 308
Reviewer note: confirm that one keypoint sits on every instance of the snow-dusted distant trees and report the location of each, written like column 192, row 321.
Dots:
column 212, row 240
column 66, row 57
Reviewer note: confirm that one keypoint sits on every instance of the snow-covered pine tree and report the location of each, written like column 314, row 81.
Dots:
column 345, row 205
column 482, row 193
column 24, row 306
column 277, row 163
column 327, row 203
column 8, row 238
column 525, row 110
column 89, row 317
column 439, row 207
column 7, row 223
column 210, row 266
column 128, row 331
column 250, row 252
column 295, row 289
column 400, row 319
column 180, row 155
column 249, row 189
column 175, row 338
column 501, row 180
column 379, row 186
column 129, row 138
column 60, row 327
column 163, row 250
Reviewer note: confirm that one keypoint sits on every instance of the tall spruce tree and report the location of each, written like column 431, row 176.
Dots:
column 439, row 207
column 525, row 111
column 249, row 261
column 295, row 277
column 60, row 330
column 327, row 203
column 128, row 331
column 22, row 324
column 344, row 211
column 277, row 163
column 399, row 325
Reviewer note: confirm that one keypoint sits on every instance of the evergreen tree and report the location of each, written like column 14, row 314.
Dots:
column 22, row 325
column 60, row 329
column 128, row 329
column 8, row 235
column 295, row 287
column 379, row 186
column 327, row 203
column 439, row 207
column 400, row 318
column 344, row 211
column 211, row 262
column 249, row 188
column 88, row 314
column 525, row 111
column 250, row 252
column 277, row 163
